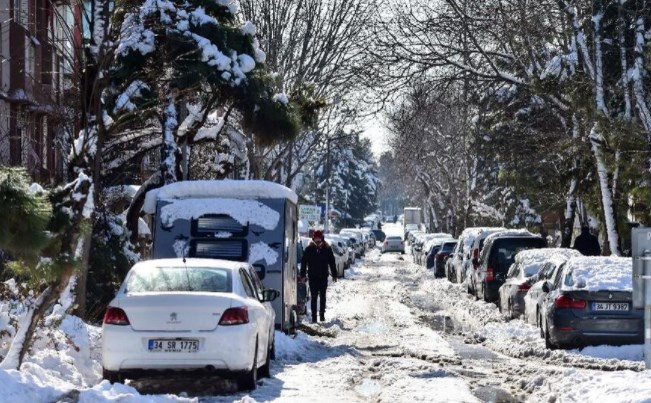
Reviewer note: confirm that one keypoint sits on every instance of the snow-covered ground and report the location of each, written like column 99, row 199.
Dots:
column 393, row 334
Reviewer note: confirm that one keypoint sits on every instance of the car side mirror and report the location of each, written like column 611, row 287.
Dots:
column 545, row 287
column 270, row 294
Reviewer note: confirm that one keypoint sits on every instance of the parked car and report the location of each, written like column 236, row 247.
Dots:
column 431, row 247
column 461, row 255
column 470, row 264
column 380, row 236
column 521, row 275
column 590, row 302
column 393, row 244
column 496, row 258
column 535, row 296
column 359, row 240
column 188, row 314
column 441, row 257
column 340, row 252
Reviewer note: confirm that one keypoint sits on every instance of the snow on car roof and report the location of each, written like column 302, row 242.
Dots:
column 510, row 233
column 243, row 211
column 190, row 262
column 469, row 234
column 597, row 273
column 438, row 241
column 234, row 189
column 532, row 260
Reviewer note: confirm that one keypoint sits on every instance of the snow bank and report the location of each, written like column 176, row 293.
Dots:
column 243, row 189
column 243, row 211
column 600, row 273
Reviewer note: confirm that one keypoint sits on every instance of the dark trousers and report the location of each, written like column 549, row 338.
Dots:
column 318, row 289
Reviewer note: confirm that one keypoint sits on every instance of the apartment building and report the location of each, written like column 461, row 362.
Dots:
column 39, row 42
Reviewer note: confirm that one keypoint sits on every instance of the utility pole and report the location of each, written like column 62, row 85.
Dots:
column 326, row 224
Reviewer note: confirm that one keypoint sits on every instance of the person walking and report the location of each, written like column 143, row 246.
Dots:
column 586, row 243
column 317, row 257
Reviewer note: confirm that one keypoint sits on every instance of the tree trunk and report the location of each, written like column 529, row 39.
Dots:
column 610, row 217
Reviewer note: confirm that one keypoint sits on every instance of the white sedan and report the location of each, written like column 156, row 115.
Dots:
column 171, row 314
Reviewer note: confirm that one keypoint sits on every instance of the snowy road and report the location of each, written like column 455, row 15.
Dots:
column 396, row 334
column 393, row 334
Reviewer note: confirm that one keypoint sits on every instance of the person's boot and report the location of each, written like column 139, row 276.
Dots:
column 314, row 318
column 322, row 317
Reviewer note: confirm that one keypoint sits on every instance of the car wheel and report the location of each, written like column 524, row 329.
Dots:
column 249, row 380
column 112, row 376
column 265, row 370
column 548, row 340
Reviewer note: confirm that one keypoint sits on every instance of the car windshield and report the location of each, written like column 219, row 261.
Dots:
column 170, row 279
column 504, row 250
column 447, row 247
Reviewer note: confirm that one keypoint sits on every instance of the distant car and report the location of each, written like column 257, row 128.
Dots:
column 534, row 298
column 175, row 314
column 380, row 236
column 462, row 255
column 360, row 244
column 393, row 244
column 521, row 275
column 440, row 258
column 590, row 302
column 431, row 248
column 496, row 258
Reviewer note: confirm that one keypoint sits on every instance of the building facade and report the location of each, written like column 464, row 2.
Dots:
column 39, row 42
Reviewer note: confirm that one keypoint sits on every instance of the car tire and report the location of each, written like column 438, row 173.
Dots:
column 548, row 340
column 272, row 352
column 249, row 380
column 265, row 370
column 112, row 376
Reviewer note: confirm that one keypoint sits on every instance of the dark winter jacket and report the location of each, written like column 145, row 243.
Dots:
column 316, row 261
column 587, row 244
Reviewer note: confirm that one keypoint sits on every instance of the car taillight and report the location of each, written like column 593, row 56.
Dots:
column 115, row 316
column 441, row 256
column 565, row 302
column 235, row 316
column 490, row 274
column 524, row 287
column 386, row 242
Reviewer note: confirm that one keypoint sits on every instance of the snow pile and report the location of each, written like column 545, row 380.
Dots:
column 532, row 260
column 243, row 211
column 237, row 189
column 599, row 273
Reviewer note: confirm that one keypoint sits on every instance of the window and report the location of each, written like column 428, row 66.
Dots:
column 259, row 288
column 216, row 225
column 559, row 276
column 20, row 12
column 184, row 279
column 30, row 59
column 219, row 249
column 246, row 283
column 45, row 149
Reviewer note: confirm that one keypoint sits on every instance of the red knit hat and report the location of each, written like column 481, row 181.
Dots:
column 317, row 235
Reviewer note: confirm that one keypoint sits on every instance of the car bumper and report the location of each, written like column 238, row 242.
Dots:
column 567, row 329
column 492, row 291
column 227, row 348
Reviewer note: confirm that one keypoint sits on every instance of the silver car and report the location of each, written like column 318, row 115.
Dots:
column 393, row 244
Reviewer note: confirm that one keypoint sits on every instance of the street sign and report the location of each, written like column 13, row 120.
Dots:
column 309, row 213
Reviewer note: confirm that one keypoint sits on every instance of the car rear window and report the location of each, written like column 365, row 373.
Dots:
column 447, row 247
column 394, row 238
column 171, row 279
column 503, row 251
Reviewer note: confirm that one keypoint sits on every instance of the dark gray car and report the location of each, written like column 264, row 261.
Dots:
column 590, row 302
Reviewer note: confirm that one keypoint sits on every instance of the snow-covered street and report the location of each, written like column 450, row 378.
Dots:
column 393, row 334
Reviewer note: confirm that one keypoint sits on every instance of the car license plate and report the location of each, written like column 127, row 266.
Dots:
column 610, row 306
column 173, row 346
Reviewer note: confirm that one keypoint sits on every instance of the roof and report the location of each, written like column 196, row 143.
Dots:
column 597, row 273
column 190, row 262
column 227, row 188
column 511, row 233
